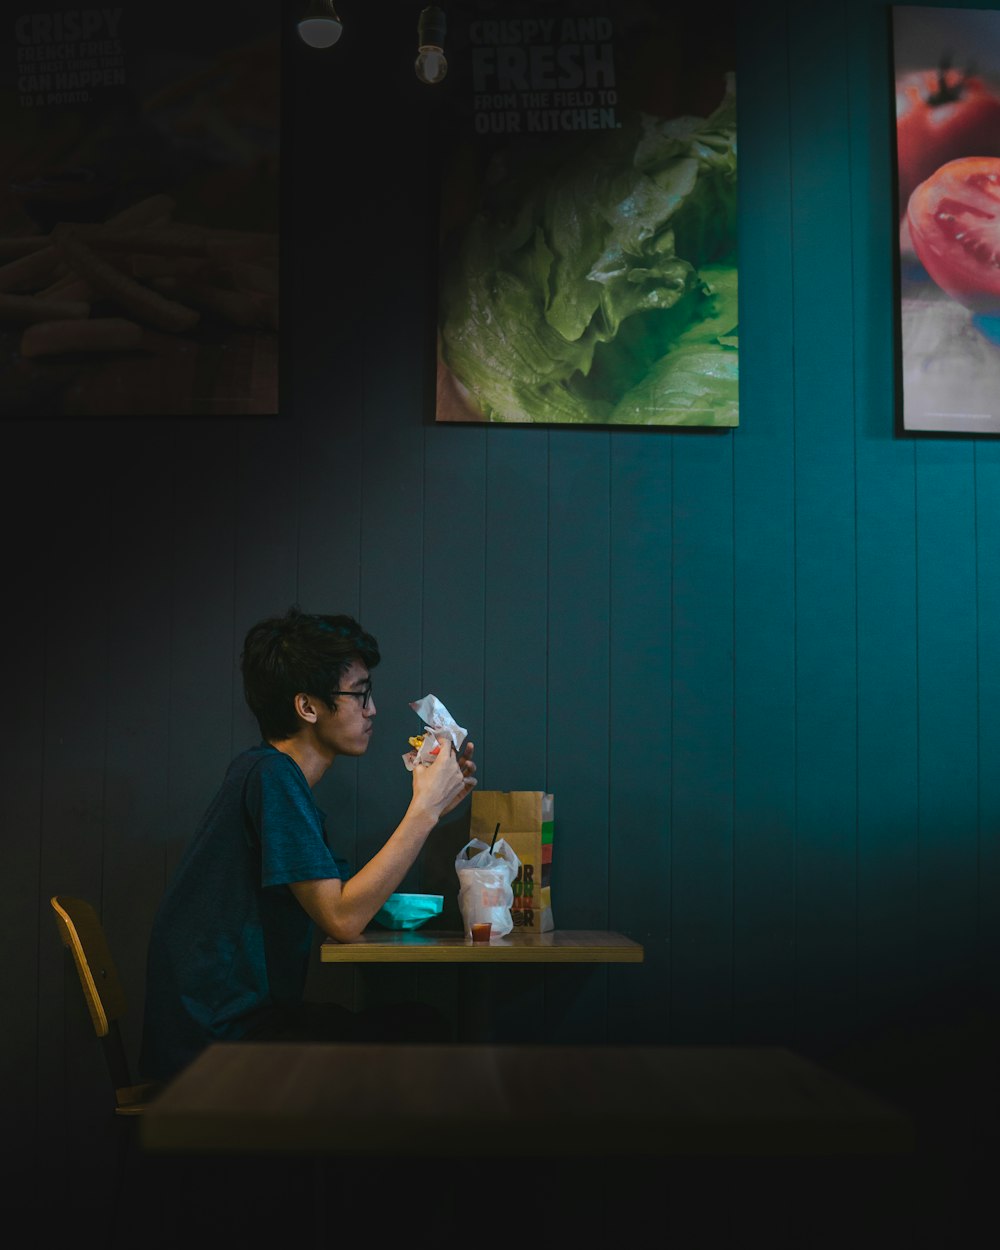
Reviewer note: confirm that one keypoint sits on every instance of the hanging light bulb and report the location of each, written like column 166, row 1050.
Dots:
column 321, row 27
column 430, row 64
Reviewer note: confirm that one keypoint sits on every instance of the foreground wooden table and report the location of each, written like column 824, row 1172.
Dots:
column 597, row 1101
column 561, row 946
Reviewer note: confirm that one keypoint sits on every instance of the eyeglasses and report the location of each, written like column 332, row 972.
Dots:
column 364, row 695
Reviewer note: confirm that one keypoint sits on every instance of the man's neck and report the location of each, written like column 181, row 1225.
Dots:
column 307, row 755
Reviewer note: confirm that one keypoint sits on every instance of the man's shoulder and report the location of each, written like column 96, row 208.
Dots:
column 264, row 770
column 265, row 760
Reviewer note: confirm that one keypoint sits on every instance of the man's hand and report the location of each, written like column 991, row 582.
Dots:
column 468, row 773
column 440, row 786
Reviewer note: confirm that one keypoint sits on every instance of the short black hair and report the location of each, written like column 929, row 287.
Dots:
column 299, row 652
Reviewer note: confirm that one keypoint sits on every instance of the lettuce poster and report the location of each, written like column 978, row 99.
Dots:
column 947, row 70
column 138, row 209
column 587, row 248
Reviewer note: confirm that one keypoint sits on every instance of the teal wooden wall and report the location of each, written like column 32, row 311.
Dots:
column 759, row 669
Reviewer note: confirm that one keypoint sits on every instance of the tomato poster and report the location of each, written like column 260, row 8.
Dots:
column 138, row 209
column 587, row 245
column 947, row 72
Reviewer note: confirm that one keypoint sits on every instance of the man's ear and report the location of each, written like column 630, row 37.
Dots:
column 305, row 707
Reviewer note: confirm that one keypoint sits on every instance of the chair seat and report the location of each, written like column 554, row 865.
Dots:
column 132, row 1099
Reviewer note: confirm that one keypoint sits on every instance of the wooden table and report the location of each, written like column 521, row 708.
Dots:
column 475, row 1017
column 585, row 1101
column 418, row 946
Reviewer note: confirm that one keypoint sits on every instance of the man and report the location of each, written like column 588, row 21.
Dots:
column 231, row 941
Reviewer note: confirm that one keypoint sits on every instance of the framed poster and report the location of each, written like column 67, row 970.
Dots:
column 587, row 250
column 139, row 209
column 947, row 71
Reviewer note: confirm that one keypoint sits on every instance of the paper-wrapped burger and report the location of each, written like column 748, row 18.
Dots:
column 439, row 726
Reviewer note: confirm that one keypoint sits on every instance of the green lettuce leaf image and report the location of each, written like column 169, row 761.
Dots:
column 602, row 288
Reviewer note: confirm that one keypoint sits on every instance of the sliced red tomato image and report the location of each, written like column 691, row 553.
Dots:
column 954, row 221
column 942, row 114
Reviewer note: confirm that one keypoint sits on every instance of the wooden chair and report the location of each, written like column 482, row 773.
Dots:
column 81, row 931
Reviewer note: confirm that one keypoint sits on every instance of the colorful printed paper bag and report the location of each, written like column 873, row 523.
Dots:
column 526, row 820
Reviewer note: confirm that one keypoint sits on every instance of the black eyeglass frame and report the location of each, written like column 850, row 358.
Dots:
column 364, row 695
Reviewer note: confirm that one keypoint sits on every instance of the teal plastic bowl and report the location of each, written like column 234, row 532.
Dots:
column 408, row 911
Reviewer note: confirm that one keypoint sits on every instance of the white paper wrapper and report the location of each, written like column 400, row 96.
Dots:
column 439, row 726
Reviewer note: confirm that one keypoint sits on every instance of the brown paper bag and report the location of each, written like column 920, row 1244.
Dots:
column 526, row 819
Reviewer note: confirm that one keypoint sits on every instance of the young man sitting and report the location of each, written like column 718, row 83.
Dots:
column 231, row 941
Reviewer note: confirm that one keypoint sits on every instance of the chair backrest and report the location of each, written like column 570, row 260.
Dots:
column 82, row 932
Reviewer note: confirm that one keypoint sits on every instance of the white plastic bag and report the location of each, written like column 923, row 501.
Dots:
column 485, row 885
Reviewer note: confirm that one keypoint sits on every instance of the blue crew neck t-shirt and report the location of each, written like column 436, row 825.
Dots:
column 230, row 943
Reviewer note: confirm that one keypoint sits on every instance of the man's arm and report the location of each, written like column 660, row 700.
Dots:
column 342, row 909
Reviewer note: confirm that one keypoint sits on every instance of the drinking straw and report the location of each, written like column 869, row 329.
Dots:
column 495, row 832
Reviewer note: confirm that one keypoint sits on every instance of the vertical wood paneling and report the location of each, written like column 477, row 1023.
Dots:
column 701, row 873
column 948, row 719
column 329, row 474
column 639, row 748
column 888, row 958
column 25, row 926
column 454, row 609
column 764, row 550
column 578, row 712
column 138, row 692
column 515, row 668
column 515, row 672
column 454, row 587
column 72, row 1084
column 987, row 466
column 454, row 592
column 825, row 629
column 202, row 663
column 266, row 544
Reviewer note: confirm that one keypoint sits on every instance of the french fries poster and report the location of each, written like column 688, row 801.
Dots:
column 587, row 248
column 139, row 210
column 947, row 93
